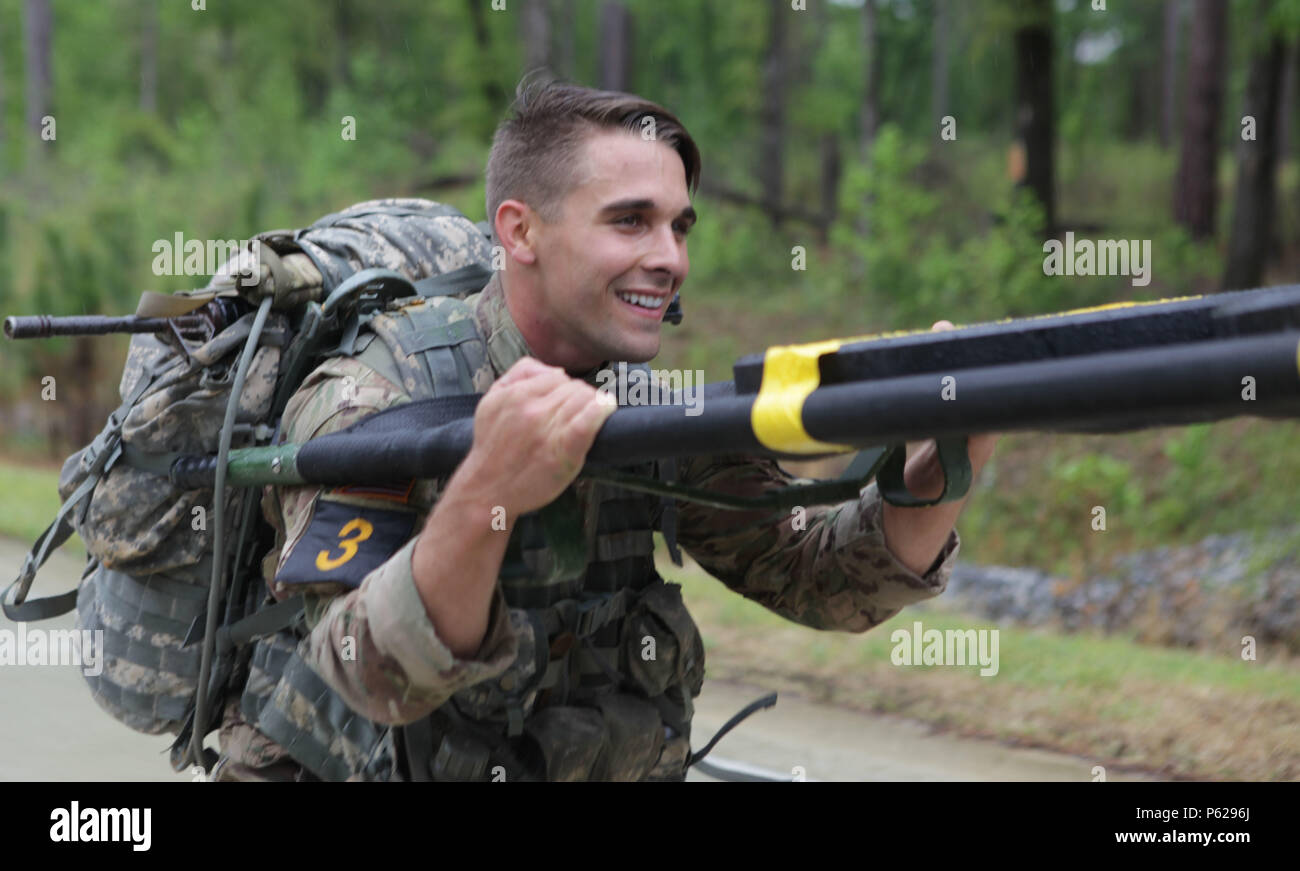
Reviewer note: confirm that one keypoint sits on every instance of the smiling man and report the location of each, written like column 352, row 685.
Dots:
column 471, row 643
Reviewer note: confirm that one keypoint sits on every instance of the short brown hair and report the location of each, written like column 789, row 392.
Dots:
column 535, row 151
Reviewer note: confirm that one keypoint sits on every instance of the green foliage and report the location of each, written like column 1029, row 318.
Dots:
column 1197, row 477
column 735, row 249
column 923, row 267
column 246, row 137
column 1095, row 479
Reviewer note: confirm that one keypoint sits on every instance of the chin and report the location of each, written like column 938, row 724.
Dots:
column 637, row 353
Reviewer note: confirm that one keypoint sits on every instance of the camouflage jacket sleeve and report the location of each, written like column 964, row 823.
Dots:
column 822, row 566
column 374, row 644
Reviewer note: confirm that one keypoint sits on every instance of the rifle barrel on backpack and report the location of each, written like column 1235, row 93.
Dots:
column 199, row 326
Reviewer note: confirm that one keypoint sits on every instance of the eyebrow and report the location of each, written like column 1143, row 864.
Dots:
column 687, row 213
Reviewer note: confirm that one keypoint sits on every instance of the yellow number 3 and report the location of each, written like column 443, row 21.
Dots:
column 363, row 530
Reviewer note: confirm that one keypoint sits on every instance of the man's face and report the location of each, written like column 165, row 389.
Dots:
column 611, row 261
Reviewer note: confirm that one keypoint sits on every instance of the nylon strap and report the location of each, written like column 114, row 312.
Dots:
column 98, row 457
column 261, row 623
column 766, row 701
column 467, row 279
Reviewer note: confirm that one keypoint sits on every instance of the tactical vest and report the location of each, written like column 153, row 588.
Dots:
column 609, row 659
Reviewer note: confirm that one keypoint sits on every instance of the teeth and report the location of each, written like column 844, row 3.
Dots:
column 640, row 299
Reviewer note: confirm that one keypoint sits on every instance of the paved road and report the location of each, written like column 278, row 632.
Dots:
column 52, row 730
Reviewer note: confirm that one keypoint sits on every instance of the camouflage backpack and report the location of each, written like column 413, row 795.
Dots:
column 173, row 577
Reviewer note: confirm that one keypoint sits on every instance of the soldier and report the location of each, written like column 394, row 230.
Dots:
column 444, row 638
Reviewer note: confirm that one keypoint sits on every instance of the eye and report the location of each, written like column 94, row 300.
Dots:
column 629, row 220
column 682, row 227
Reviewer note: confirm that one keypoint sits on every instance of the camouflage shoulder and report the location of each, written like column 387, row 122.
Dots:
column 338, row 393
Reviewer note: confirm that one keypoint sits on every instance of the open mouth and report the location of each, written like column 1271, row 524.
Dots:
column 643, row 302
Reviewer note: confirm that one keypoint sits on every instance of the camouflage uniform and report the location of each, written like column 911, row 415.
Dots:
column 836, row 573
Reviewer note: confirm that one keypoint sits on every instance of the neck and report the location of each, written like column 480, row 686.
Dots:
column 540, row 331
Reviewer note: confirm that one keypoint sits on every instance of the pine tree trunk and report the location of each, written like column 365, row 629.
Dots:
column 771, row 155
column 1035, row 111
column 149, row 56
column 536, row 25
column 615, row 46
column 870, row 116
column 1169, row 71
column 1195, row 190
column 568, row 41
column 492, row 92
column 1252, row 217
column 939, row 62
column 2, row 95
column 1286, row 114
column 37, row 26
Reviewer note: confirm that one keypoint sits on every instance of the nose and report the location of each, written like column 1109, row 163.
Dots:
column 668, row 255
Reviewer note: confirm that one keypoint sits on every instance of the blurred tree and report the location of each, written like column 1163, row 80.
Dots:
column 1035, row 113
column 535, row 30
column 37, row 26
column 1173, row 27
column 1252, row 219
column 616, row 28
column 1143, row 68
column 1195, row 190
column 567, row 25
column 772, row 127
column 3, row 102
column 1285, row 112
column 493, row 94
column 871, row 53
column 346, row 24
column 829, row 143
column 939, row 61
column 149, row 56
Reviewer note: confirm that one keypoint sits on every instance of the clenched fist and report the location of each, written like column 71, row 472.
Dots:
column 532, row 431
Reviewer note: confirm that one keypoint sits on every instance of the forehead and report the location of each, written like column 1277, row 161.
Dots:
column 619, row 165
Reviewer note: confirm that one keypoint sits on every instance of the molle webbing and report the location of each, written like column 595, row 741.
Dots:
column 435, row 356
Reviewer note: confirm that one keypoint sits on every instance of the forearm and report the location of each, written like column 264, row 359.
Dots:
column 827, row 567
column 915, row 535
column 455, row 563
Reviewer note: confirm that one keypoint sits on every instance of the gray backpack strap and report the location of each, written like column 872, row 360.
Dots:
column 94, row 460
column 467, row 279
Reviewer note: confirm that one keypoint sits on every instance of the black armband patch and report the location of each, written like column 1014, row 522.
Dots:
column 344, row 543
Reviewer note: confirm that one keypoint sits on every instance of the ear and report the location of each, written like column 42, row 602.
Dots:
column 515, row 225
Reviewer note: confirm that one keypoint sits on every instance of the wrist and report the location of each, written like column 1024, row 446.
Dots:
column 923, row 475
column 474, row 502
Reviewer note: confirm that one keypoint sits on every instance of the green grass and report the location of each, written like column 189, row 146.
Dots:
column 1109, row 698
column 1035, row 659
column 29, row 499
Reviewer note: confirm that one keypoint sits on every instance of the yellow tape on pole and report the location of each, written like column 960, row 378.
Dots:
column 790, row 375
